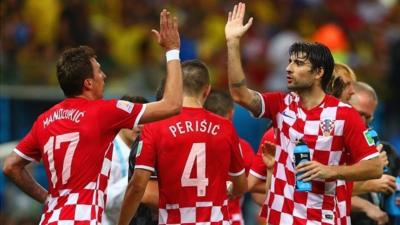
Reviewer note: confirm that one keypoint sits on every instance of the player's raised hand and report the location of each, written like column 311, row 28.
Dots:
column 268, row 154
column 234, row 28
column 168, row 36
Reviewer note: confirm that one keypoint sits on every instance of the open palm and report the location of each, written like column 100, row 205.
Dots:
column 234, row 28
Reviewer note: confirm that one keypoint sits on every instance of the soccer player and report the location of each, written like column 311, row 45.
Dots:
column 329, row 127
column 74, row 137
column 194, row 154
column 118, row 179
column 221, row 103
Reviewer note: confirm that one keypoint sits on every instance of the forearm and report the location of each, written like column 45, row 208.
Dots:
column 130, row 204
column 239, row 185
column 360, row 205
column 24, row 180
column 360, row 187
column 237, row 81
column 363, row 170
column 255, row 184
column 133, row 195
column 150, row 197
column 173, row 86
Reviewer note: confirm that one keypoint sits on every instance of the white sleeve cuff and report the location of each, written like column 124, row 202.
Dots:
column 259, row 176
column 236, row 174
column 22, row 155
column 148, row 168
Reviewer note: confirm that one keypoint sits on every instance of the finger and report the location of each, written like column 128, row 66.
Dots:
column 379, row 148
column 229, row 16
column 163, row 21
column 234, row 13
column 314, row 175
column 248, row 24
column 169, row 21
column 157, row 35
column 175, row 23
column 242, row 10
column 303, row 164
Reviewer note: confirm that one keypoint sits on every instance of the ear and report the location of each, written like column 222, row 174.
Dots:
column 207, row 91
column 88, row 84
column 320, row 73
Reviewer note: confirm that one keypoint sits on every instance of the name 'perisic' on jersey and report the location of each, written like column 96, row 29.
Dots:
column 204, row 126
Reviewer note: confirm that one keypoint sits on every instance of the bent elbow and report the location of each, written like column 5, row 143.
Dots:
column 8, row 168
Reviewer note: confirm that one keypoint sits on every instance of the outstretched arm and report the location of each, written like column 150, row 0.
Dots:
column 171, row 103
column 15, row 169
column 234, row 30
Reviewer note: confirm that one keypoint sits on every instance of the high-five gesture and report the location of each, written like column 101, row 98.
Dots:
column 234, row 28
column 168, row 36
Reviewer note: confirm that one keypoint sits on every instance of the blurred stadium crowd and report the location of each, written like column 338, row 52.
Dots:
column 363, row 34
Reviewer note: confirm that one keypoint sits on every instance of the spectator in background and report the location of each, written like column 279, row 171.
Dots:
column 118, row 180
column 194, row 140
column 304, row 114
column 221, row 103
column 368, row 208
column 74, row 138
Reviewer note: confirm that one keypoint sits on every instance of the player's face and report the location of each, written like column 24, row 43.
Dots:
column 364, row 105
column 98, row 79
column 299, row 74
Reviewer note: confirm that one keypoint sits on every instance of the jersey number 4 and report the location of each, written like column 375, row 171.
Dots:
column 198, row 153
column 54, row 143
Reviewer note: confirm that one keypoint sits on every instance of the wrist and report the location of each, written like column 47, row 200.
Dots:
column 232, row 42
column 172, row 54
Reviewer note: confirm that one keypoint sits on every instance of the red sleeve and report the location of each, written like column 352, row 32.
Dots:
column 28, row 148
column 146, row 155
column 355, row 138
column 247, row 153
column 271, row 104
column 117, row 114
column 237, row 164
column 258, row 168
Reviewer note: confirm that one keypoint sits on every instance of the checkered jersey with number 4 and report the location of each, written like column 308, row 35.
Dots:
column 194, row 154
column 331, row 131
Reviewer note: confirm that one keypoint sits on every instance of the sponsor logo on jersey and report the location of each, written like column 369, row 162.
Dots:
column 368, row 138
column 139, row 148
column 125, row 105
column 327, row 126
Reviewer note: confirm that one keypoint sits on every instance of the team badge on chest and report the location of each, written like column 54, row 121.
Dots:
column 327, row 126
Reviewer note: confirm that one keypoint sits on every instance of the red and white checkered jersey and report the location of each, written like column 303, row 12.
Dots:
column 331, row 130
column 258, row 167
column 235, row 209
column 194, row 153
column 74, row 141
column 344, row 191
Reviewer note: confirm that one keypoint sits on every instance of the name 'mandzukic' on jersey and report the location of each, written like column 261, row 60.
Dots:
column 204, row 126
column 69, row 114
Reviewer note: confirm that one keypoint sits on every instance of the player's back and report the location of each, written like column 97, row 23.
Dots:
column 74, row 140
column 194, row 152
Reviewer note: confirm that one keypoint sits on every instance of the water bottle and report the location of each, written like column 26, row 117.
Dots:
column 301, row 154
column 390, row 204
column 374, row 136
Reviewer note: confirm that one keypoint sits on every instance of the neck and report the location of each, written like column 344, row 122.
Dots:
column 125, row 139
column 311, row 98
column 193, row 102
column 87, row 95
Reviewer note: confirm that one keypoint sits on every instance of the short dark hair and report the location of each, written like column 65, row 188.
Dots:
column 135, row 99
column 195, row 77
column 73, row 67
column 320, row 57
column 219, row 102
